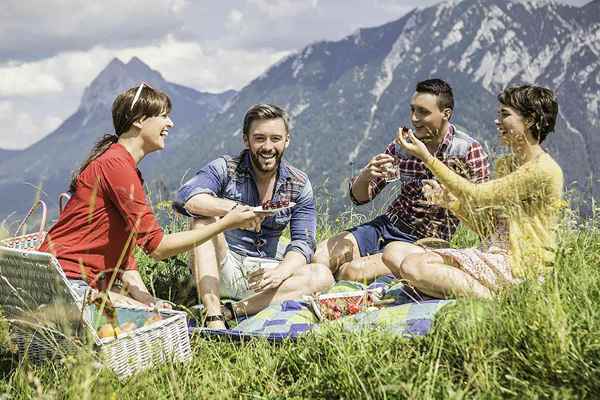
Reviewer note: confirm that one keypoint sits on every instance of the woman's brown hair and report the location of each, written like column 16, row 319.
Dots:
column 536, row 104
column 126, row 109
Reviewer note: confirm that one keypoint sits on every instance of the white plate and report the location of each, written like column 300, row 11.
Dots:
column 260, row 210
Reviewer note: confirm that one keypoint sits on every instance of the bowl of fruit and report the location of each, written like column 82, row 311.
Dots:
column 337, row 305
column 126, row 322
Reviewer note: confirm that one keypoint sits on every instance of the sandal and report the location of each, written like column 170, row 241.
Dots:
column 216, row 317
column 228, row 307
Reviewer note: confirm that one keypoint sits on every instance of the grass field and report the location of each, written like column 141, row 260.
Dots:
column 538, row 341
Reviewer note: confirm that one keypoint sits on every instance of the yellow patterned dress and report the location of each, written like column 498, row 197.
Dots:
column 515, row 215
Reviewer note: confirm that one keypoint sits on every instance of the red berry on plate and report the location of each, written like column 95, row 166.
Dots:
column 353, row 308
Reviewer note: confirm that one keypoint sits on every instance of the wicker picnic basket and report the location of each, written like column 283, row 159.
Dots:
column 34, row 290
column 30, row 241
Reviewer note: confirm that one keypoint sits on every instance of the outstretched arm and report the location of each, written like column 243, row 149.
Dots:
column 480, row 221
column 208, row 205
column 175, row 243
column 135, row 287
column 526, row 182
column 202, row 195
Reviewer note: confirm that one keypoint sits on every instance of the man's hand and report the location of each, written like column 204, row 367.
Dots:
column 265, row 279
column 378, row 166
column 407, row 139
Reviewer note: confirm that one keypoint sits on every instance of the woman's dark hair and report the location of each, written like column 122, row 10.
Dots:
column 263, row 112
column 150, row 103
column 536, row 104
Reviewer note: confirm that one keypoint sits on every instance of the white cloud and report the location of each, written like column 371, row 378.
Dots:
column 27, row 80
column 283, row 8
column 234, row 23
column 58, row 46
column 235, row 16
column 52, row 49
column 396, row 7
column 65, row 71
column 36, row 97
column 202, row 66
column 177, row 6
column 32, row 29
column 25, row 127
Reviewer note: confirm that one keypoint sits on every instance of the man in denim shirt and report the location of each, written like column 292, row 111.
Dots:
column 252, row 264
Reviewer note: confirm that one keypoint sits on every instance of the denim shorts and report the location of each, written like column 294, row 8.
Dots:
column 374, row 235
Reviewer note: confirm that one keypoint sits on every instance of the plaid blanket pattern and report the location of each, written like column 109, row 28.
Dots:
column 409, row 315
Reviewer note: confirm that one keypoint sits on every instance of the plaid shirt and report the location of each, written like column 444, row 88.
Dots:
column 409, row 211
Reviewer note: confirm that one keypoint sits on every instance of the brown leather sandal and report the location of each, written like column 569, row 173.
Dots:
column 228, row 307
column 216, row 317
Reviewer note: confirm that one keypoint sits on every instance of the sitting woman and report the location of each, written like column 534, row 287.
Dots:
column 515, row 215
column 108, row 214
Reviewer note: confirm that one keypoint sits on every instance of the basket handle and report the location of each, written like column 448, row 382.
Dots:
column 39, row 203
column 63, row 197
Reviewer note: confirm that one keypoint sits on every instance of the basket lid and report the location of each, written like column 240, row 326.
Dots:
column 34, row 290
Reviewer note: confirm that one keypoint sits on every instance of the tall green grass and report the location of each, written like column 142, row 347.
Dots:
column 541, row 340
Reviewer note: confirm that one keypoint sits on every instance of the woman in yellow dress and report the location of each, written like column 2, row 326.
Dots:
column 515, row 215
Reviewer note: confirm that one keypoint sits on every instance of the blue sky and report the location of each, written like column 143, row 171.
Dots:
column 52, row 49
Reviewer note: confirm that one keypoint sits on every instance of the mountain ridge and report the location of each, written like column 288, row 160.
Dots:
column 45, row 163
column 347, row 97
column 361, row 84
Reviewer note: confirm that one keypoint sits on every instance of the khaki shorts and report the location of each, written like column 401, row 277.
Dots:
column 234, row 273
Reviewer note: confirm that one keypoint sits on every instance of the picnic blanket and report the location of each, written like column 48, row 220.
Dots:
column 411, row 314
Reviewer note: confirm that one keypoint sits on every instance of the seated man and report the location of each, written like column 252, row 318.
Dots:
column 224, row 266
column 356, row 254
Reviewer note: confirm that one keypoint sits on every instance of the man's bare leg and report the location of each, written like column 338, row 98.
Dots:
column 434, row 275
column 336, row 251
column 362, row 269
column 373, row 266
column 342, row 254
column 205, row 262
column 306, row 280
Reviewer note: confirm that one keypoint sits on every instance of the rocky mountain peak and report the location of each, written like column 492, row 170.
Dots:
column 347, row 97
column 116, row 77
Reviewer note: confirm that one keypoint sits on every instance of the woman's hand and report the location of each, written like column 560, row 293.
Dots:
column 159, row 303
column 243, row 217
column 407, row 139
column 437, row 194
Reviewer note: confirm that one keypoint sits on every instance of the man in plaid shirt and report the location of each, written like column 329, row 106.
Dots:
column 356, row 254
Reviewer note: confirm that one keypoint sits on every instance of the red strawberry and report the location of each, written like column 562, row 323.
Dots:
column 353, row 308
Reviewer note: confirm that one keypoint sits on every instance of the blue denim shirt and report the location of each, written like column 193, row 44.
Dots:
column 234, row 179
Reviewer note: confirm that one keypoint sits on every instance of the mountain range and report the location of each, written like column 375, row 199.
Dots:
column 48, row 164
column 346, row 98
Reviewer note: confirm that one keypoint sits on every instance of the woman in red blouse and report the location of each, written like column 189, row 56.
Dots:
column 108, row 213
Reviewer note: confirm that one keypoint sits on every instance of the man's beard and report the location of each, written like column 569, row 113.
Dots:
column 257, row 162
